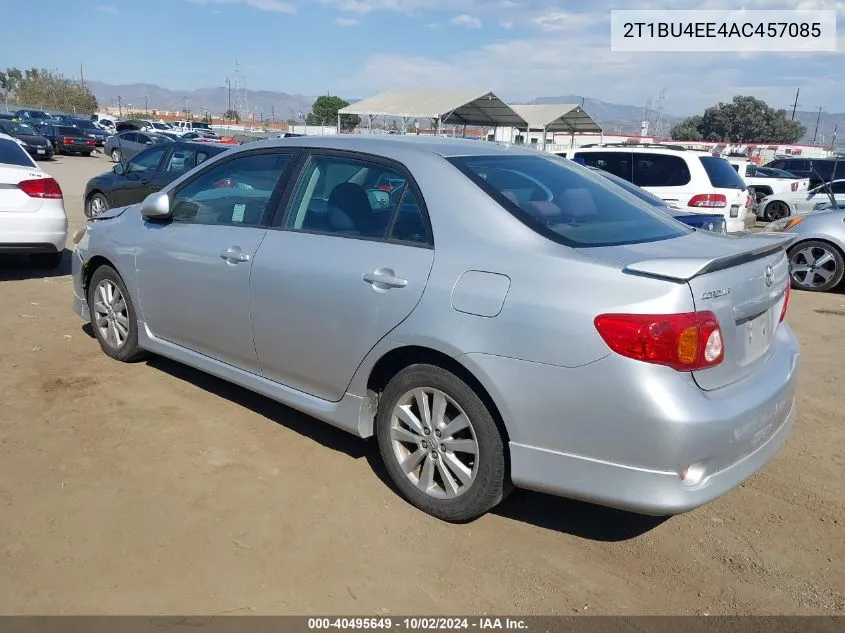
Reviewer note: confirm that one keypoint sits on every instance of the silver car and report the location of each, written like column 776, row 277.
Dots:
column 492, row 316
column 817, row 256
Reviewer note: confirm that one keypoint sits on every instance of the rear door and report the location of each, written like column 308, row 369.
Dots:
column 348, row 264
column 665, row 175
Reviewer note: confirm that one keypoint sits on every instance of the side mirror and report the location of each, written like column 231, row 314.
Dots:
column 156, row 206
column 119, row 169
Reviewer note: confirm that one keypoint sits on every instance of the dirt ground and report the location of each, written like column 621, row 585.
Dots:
column 153, row 488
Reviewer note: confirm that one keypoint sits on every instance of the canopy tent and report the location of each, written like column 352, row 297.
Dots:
column 557, row 117
column 460, row 107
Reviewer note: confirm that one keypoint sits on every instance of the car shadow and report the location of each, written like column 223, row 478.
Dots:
column 577, row 518
column 19, row 267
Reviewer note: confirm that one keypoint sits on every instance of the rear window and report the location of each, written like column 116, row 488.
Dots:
column 70, row 131
column 721, row 173
column 567, row 203
column 660, row 170
column 12, row 154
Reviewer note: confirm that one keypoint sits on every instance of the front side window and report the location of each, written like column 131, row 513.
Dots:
column 356, row 198
column 616, row 163
column 568, row 204
column 236, row 192
column 662, row 170
column 145, row 161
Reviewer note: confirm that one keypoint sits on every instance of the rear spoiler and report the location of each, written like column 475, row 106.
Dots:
column 686, row 268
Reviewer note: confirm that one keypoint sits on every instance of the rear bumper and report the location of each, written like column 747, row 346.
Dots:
column 33, row 151
column 32, row 232
column 619, row 433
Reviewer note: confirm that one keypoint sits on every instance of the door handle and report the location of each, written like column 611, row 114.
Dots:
column 384, row 279
column 234, row 254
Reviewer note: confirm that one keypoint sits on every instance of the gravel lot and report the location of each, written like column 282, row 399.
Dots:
column 153, row 488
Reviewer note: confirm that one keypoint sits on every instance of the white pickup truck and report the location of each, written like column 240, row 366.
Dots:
column 766, row 185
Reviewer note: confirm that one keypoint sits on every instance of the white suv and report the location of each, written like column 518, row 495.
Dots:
column 32, row 208
column 697, row 182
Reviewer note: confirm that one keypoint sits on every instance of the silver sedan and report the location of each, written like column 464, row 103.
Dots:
column 493, row 316
column 817, row 256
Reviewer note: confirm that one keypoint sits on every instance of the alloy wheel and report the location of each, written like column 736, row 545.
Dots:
column 812, row 266
column 434, row 443
column 777, row 210
column 111, row 314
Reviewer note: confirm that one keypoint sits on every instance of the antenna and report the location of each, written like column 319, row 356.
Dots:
column 240, row 102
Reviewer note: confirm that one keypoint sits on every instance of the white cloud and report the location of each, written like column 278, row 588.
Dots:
column 107, row 8
column 566, row 21
column 469, row 21
column 346, row 21
column 276, row 6
column 506, row 24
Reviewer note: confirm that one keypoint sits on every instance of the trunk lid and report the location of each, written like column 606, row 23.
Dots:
column 12, row 199
column 742, row 280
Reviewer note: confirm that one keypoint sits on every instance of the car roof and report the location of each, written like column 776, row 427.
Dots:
column 398, row 147
column 637, row 148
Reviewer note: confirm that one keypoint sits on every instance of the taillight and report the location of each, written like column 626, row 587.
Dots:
column 794, row 186
column 41, row 188
column 226, row 183
column 91, row 143
column 67, row 141
column 749, row 201
column 785, row 299
column 686, row 342
column 708, row 200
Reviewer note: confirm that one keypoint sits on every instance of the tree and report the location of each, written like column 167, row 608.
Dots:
column 324, row 112
column 232, row 115
column 746, row 119
column 47, row 89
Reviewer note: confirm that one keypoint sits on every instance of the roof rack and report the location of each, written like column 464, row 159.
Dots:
column 679, row 148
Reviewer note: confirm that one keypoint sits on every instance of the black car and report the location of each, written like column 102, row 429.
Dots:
column 67, row 139
column 98, row 134
column 148, row 172
column 37, row 145
column 34, row 116
column 818, row 170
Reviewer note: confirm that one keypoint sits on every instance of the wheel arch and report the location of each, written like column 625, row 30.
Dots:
column 92, row 265
column 398, row 358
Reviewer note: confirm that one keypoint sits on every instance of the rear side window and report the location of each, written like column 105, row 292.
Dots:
column 616, row 163
column 823, row 168
column 721, row 173
column 799, row 164
column 567, row 203
column 12, row 154
column 661, row 170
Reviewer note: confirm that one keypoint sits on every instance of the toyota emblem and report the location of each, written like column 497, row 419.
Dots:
column 769, row 276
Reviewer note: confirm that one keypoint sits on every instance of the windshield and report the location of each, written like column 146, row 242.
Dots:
column 721, row 173
column 567, row 203
column 161, row 126
column 12, row 154
column 17, row 129
column 631, row 188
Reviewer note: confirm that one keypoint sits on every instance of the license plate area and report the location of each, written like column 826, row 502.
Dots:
column 734, row 210
column 42, row 151
column 756, row 335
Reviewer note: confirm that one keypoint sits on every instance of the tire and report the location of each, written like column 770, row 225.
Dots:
column 126, row 349
column 116, row 156
column 95, row 205
column 776, row 210
column 484, row 482
column 806, row 273
column 46, row 260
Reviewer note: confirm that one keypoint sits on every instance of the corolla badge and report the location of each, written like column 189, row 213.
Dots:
column 769, row 276
column 715, row 294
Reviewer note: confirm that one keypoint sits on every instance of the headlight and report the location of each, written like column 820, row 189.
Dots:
column 785, row 224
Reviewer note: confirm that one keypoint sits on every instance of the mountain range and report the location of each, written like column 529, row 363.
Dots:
column 281, row 106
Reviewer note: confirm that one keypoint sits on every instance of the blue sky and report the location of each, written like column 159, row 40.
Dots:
column 520, row 49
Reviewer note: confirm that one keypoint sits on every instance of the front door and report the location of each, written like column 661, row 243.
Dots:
column 134, row 186
column 348, row 266
column 193, row 269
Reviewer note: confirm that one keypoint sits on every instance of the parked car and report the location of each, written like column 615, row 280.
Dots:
column 694, row 181
column 817, row 254
column 36, row 144
column 771, row 172
column 708, row 222
column 766, row 185
column 191, row 126
column 565, row 338
column 783, row 205
column 147, row 172
column 34, row 116
column 32, row 209
column 88, row 129
column 124, row 145
column 817, row 170
column 6, row 116
column 67, row 139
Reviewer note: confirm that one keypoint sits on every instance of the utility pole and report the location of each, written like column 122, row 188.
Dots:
column 146, row 105
column 272, row 114
column 228, row 97
column 119, row 107
column 795, row 105
column 81, row 77
column 819, row 118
